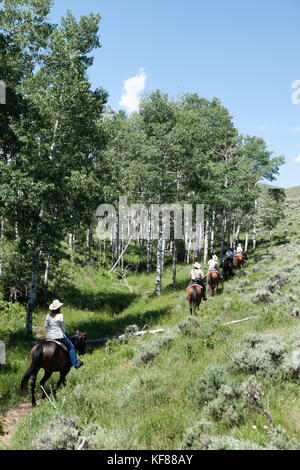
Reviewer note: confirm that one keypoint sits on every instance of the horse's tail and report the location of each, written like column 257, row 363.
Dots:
column 194, row 296
column 36, row 361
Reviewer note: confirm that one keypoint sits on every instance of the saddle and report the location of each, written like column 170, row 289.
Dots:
column 196, row 285
column 62, row 345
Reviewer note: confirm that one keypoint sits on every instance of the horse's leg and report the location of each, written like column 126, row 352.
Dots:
column 47, row 376
column 62, row 377
column 33, row 380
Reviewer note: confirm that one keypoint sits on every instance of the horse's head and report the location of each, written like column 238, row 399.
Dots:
column 79, row 341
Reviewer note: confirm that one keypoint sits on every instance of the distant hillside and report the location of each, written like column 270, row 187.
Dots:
column 293, row 193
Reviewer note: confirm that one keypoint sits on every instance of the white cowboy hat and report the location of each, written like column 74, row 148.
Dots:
column 197, row 265
column 215, row 258
column 56, row 304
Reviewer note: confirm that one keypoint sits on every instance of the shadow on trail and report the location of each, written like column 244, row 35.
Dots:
column 114, row 301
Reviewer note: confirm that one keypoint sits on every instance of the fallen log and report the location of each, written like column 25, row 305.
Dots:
column 126, row 335
column 142, row 333
column 239, row 321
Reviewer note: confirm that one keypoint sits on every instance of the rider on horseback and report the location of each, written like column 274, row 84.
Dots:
column 239, row 249
column 56, row 331
column 229, row 254
column 196, row 276
column 213, row 266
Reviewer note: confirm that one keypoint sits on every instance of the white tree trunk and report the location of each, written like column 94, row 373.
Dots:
column 149, row 247
column 46, row 275
column 188, row 251
column 254, row 227
column 71, row 242
column 206, row 241
column 159, row 263
column 163, row 254
column 246, row 241
column 237, row 234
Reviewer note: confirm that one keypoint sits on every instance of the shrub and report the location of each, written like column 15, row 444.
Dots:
column 130, row 329
column 98, row 438
column 291, row 365
column 61, row 434
column 259, row 352
column 197, row 438
column 11, row 311
column 65, row 434
column 242, row 285
column 280, row 440
column 231, row 443
column 226, row 407
column 262, row 296
column 148, row 351
column 193, row 436
column 190, row 326
column 214, row 382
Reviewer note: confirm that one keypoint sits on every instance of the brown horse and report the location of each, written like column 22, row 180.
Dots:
column 227, row 266
column 194, row 296
column 239, row 260
column 212, row 281
column 51, row 357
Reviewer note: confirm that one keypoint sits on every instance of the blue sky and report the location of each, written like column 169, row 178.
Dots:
column 245, row 52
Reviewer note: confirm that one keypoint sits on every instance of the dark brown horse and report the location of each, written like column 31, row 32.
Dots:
column 194, row 296
column 52, row 357
column 227, row 266
column 212, row 281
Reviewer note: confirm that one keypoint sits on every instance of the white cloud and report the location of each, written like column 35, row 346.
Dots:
column 297, row 159
column 132, row 89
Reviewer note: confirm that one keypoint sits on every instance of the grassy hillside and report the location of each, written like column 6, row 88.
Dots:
column 200, row 384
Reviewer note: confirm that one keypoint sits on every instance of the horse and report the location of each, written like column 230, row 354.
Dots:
column 239, row 260
column 212, row 280
column 227, row 266
column 194, row 297
column 52, row 357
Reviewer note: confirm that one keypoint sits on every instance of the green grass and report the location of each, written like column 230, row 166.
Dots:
column 149, row 406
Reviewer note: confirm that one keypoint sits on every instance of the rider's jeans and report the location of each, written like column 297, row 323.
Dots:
column 72, row 352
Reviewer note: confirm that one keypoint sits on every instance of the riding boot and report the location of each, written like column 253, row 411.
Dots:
column 80, row 363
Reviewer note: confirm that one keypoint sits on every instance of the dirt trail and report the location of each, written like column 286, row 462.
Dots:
column 11, row 419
